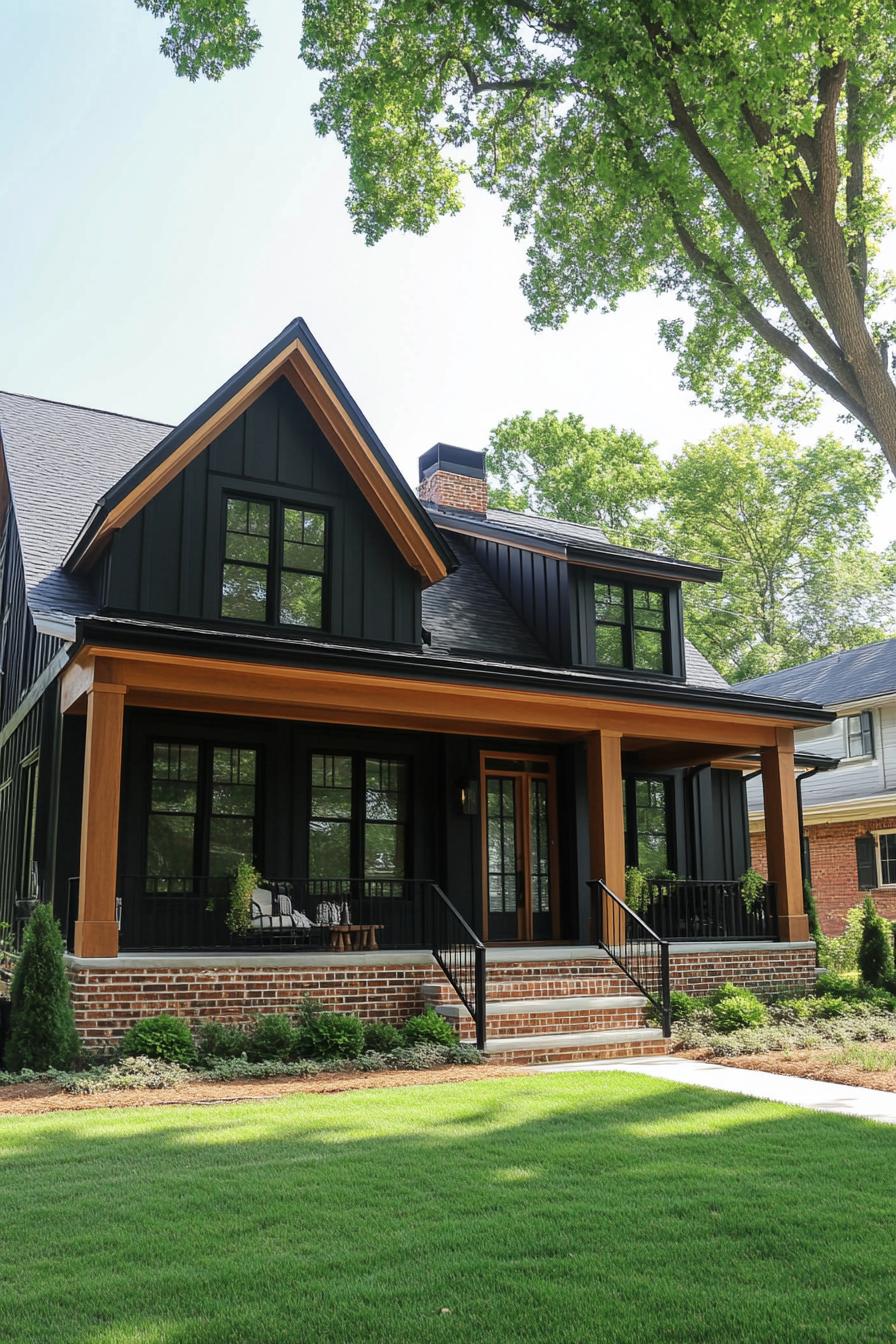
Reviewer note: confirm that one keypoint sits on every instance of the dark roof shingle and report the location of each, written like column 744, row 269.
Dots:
column 853, row 674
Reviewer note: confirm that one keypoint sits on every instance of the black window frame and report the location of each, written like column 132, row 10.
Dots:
column 628, row 626
column 275, row 566
column 864, row 735
column 358, row 820
column 203, row 815
column 630, row 784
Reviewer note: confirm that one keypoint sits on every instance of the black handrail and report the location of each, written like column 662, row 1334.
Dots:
column 638, row 951
column 461, row 954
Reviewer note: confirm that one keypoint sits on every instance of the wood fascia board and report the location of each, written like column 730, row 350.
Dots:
column 437, row 702
column 370, row 477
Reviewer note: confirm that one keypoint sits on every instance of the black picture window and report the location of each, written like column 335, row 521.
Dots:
column 631, row 627
column 860, row 734
column 648, row 824
column 275, row 560
column 357, row 824
column 203, row 802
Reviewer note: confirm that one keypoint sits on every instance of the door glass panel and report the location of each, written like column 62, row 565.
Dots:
column 501, row 845
column 539, row 855
column 330, row 825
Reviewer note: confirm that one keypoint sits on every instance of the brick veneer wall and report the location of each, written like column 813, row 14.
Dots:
column 835, row 881
column 108, row 997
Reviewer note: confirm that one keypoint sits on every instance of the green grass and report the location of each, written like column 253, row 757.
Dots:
column 570, row 1207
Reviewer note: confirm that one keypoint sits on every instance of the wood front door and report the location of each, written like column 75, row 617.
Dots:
column 519, row 848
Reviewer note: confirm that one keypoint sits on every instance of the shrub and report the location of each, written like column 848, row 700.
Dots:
column 272, row 1036
column 220, row 1040
column 752, row 889
column 163, row 1037
column 844, row 985
column 429, row 1027
column 811, row 910
column 130, row 1074
column 875, row 955
column 738, row 1008
column 42, row 1028
column 334, row 1036
column 831, row 1005
column 841, row 954
column 244, row 879
column 684, row 1006
column 381, row 1037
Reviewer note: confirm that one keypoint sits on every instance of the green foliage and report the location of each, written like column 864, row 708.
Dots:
column 790, row 526
column 875, row 955
column 429, row 1027
column 333, row 1036
column 162, row 1037
column 752, row 889
column 841, row 954
column 246, row 878
column 735, row 1007
column 42, row 1027
column 843, row 984
column 683, row 1005
column 133, row 1073
column 220, row 1040
column 559, row 468
column 273, row 1036
column 203, row 38
column 381, row 1037
column 811, row 911
column 637, row 891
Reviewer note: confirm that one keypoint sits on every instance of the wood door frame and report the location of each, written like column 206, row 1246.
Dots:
column 523, row 836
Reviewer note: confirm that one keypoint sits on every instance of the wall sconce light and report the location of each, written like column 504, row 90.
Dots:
column 468, row 795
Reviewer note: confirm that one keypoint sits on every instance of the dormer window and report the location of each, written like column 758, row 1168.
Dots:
column 274, row 569
column 631, row 627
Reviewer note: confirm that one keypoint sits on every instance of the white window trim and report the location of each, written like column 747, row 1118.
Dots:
column 880, row 876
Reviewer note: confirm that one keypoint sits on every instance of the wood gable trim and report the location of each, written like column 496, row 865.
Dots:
column 296, row 363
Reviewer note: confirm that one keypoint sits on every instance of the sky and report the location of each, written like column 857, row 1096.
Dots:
column 154, row 234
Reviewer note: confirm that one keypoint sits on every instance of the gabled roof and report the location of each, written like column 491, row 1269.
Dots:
column 576, row 542
column 854, row 674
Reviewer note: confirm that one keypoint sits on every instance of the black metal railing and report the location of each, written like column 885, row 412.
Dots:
column 637, row 949
column 336, row 914
column 696, row 910
column 461, row 954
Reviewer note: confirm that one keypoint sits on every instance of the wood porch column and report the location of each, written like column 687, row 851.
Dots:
column 606, row 833
column 782, row 834
column 96, row 930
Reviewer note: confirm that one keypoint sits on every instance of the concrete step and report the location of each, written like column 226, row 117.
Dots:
column 555, row 1048
column 541, row 1016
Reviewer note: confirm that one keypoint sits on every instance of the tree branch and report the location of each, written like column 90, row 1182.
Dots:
column 855, row 192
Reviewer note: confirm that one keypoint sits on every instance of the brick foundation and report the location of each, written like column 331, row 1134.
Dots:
column 835, row 881
column 108, row 996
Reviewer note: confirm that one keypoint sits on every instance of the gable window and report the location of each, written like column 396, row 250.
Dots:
column 357, row 816
column 631, row 627
column 859, row 735
column 274, row 568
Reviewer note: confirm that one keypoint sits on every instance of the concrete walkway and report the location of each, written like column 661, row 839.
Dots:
column 835, row 1098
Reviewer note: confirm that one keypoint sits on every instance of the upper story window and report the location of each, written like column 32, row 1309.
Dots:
column 859, row 735
column 631, row 627
column 275, row 562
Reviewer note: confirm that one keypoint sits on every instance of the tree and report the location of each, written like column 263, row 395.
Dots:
column 560, row 468
column 876, row 947
column 717, row 150
column 789, row 527
column 42, row 1029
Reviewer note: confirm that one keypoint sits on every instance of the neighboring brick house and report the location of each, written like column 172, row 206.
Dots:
column 850, row 812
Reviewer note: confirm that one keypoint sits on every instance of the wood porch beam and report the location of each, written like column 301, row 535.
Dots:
column 681, row 757
column 96, row 930
column 782, row 833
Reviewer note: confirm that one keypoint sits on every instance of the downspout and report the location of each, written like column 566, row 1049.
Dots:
column 804, row 848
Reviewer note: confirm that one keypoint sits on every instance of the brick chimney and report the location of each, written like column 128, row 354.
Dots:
column 454, row 478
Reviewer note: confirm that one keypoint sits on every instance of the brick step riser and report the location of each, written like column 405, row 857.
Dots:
column 534, row 988
column 539, row 1024
column 569, row 1053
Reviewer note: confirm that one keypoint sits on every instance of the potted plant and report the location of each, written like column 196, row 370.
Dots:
column 752, row 889
column 637, row 890
column 246, row 878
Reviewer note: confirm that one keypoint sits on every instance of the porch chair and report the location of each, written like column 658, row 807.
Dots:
column 273, row 912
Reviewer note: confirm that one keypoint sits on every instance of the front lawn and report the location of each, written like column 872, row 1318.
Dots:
column 567, row 1207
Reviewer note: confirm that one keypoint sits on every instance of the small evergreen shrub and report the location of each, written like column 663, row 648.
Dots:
column 738, row 1008
column 429, row 1027
column 162, row 1037
column 220, row 1040
column 333, row 1036
column 272, row 1036
column 875, row 954
column 381, row 1037
column 42, row 1028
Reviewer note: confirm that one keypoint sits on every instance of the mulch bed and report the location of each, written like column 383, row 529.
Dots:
column 39, row 1098
column 806, row 1064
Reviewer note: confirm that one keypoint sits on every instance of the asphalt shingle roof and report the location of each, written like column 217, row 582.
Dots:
column 854, row 674
column 468, row 613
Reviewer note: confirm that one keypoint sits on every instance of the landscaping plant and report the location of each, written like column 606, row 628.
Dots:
column 163, row 1037
column 273, row 1036
column 429, row 1027
column 220, row 1040
column 381, row 1037
column 876, row 948
column 42, row 1027
column 752, row 889
column 246, row 878
column 333, row 1036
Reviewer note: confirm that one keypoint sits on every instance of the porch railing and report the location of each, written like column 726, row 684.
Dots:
column 461, row 954
column 706, row 911
column 637, row 949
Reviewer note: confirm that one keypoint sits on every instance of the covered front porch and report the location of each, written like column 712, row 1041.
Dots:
column 386, row 812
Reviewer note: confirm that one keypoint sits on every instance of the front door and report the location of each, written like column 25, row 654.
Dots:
column 519, row 845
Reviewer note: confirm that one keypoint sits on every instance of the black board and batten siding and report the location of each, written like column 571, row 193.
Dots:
column 167, row 560
column 536, row 586
column 28, row 755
